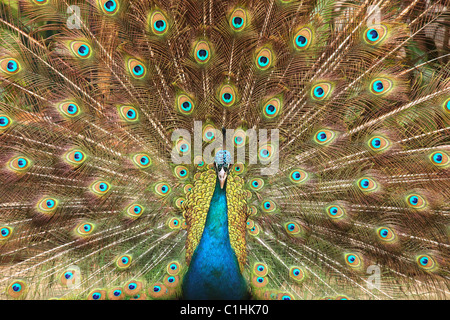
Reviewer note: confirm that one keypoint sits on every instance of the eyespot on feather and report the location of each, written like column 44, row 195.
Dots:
column 381, row 86
column 109, row 7
column 378, row 143
column 321, row 91
column 173, row 268
column 375, row 34
column 202, row 52
column 124, row 261
column 5, row 122
column 260, row 269
column 297, row 274
column 440, row 159
column 353, row 260
column 100, row 188
column 181, row 172
column 17, row 289
column 272, row 109
column 264, row 59
column 302, row 39
column 158, row 290
column 268, row 206
column 324, row 136
column 136, row 68
column 69, row 109
column 47, row 205
column 256, row 184
column 134, row 211
column 184, row 104
column 142, row 160
column 416, row 201
column 298, row 176
column 162, row 189
column 132, row 287
column 70, row 277
column 84, row 229
column 238, row 20
column 159, row 23
column 116, row 294
column 75, row 157
column 259, row 282
column 10, row 66
column 128, row 114
column 19, row 164
column 97, row 294
column 174, row 223
column 426, row 262
column 209, row 133
column 81, row 49
column 5, row 233
column 367, row 184
column 386, row 234
column 227, row 95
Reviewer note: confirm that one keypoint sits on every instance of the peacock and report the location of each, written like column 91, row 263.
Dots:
column 224, row 150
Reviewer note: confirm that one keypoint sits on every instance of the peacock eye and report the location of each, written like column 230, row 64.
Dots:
column 75, row 157
column 47, row 205
column 5, row 122
column 84, row 229
column 227, row 95
column 184, row 104
column 17, row 289
column 10, row 66
column 378, row 143
column 335, row 212
column 109, row 7
column 302, row 38
column 181, row 172
column 272, row 108
column 426, row 262
column 375, row 34
column 293, row 229
column 324, row 136
column 296, row 273
column 5, row 232
column 321, row 91
column 174, row 223
column 128, row 113
column 123, row 262
column 162, row 189
column 260, row 269
column 19, row 164
column 40, row 2
column 209, row 133
column 268, row 206
column 238, row 20
column 298, row 176
column 142, row 160
column 202, row 52
column 117, row 293
column 416, row 201
column 100, row 187
column 81, row 49
column 158, row 23
column 380, row 86
column 137, row 68
column 264, row 59
column 353, row 260
column 439, row 159
column 386, row 234
column 256, row 184
column 173, row 268
column 367, row 184
column 69, row 109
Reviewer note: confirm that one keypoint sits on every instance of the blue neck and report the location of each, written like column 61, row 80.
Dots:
column 214, row 269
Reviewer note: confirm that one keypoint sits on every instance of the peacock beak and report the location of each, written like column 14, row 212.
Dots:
column 222, row 174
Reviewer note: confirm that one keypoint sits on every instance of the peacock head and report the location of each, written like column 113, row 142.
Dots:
column 222, row 163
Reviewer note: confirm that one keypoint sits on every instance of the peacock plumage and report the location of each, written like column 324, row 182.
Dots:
column 205, row 149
